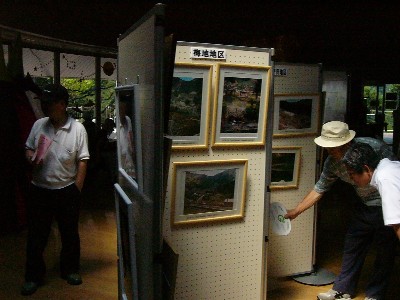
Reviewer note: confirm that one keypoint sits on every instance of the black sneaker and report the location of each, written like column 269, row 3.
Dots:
column 73, row 279
column 29, row 288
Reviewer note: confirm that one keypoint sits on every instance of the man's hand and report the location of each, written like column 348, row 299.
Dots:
column 81, row 174
column 308, row 201
column 79, row 186
column 292, row 214
column 29, row 155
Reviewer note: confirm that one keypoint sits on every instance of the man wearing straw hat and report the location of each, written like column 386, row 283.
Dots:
column 366, row 224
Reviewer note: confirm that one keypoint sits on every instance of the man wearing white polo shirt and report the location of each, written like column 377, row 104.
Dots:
column 57, row 149
column 365, row 167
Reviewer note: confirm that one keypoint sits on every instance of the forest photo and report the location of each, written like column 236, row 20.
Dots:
column 295, row 113
column 285, row 167
column 208, row 191
column 241, row 105
column 185, row 106
column 282, row 167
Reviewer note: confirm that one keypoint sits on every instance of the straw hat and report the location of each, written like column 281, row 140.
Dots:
column 334, row 134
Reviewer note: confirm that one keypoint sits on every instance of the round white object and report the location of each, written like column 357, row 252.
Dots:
column 279, row 224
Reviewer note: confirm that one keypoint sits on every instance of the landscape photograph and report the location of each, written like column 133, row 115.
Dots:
column 282, row 169
column 185, row 106
column 295, row 113
column 209, row 191
column 241, row 105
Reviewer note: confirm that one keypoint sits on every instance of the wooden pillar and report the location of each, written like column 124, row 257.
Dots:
column 396, row 131
column 98, row 93
column 57, row 67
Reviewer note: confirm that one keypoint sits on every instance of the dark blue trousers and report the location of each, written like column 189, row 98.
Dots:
column 366, row 228
column 43, row 207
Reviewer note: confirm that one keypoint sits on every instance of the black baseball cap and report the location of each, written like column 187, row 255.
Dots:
column 54, row 92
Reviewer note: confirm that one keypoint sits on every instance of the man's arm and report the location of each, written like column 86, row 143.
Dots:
column 81, row 174
column 305, row 204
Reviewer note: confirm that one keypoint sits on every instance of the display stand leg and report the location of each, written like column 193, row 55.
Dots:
column 320, row 276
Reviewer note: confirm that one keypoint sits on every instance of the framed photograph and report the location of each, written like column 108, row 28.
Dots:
column 128, row 134
column 240, row 105
column 285, row 167
column 126, row 246
column 208, row 191
column 296, row 114
column 190, row 105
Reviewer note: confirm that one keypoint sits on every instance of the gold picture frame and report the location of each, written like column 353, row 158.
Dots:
column 189, row 110
column 285, row 167
column 208, row 191
column 240, row 105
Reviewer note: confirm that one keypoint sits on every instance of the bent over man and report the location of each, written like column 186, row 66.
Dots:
column 365, row 167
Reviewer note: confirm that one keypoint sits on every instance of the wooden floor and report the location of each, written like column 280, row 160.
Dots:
column 333, row 215
column 99, row 255
column 288, row 288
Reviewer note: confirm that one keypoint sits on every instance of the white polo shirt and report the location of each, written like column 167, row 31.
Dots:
column 60, row 164
column 386, row 179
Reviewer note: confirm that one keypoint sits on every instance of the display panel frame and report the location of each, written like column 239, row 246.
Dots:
column 126, row 246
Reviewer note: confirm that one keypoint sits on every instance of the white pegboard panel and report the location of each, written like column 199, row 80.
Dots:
column 290, row 259
column 299, row 79
column 294, row 253
column 222, row 260
column 130, row 69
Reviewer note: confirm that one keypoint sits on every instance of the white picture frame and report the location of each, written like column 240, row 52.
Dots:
column 189, row 110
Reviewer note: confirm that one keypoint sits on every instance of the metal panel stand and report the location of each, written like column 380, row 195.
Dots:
column 320, row 276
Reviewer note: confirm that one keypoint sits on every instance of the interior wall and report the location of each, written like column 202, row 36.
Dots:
column 335, row 88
